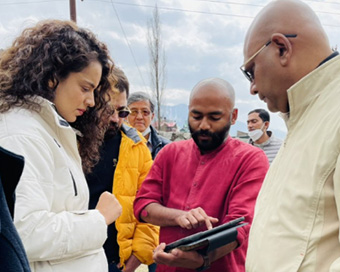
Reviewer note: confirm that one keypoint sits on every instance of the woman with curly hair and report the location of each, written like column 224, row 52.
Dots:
column 54, row 82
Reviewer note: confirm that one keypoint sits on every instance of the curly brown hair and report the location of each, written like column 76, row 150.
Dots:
column 49, row 52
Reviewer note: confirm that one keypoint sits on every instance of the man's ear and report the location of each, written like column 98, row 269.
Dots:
column 284, row 47
column 266, row 125
column 234, row 116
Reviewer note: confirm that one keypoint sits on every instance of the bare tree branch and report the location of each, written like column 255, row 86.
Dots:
column 157, row 61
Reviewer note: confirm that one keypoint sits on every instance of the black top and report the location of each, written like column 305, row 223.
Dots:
column 12, row 253
column 333, row 55
column 101, row 180
column 158, row 142
column 11, row 167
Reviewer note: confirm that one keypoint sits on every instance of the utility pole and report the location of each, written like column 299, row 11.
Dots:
column 73, row 13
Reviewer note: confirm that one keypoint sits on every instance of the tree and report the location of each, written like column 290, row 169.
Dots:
column 157, row 61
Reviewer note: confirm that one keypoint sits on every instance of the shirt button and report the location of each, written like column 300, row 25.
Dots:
column 202, row 162
column 195, row 184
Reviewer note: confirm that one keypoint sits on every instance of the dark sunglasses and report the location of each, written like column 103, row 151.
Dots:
column 122, row 112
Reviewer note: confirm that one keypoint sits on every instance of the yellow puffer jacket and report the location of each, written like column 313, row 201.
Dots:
column 134, row 163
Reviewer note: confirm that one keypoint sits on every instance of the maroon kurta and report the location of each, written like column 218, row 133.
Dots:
column 225, row 183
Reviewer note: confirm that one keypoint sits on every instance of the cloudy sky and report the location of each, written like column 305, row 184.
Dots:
column 202, row 38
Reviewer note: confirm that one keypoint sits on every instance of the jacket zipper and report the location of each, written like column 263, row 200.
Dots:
column 74, row 185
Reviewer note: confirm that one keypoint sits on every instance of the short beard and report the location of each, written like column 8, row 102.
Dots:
column 112, row 130
column 217, row 138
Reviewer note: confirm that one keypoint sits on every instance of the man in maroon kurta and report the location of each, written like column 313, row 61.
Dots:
column 203, row 182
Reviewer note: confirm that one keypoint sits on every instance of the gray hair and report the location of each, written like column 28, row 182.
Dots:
column 141, row 96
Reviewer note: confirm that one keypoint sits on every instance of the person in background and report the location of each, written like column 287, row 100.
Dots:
column 206, row 181
column 291, row 67
column 258, row 124
column 12, row 253
column 53, row 83
column 125, row 162
column 142, row 113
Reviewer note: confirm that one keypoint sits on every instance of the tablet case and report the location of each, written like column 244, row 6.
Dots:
column 209, row 239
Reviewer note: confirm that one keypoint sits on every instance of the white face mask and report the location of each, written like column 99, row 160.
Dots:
column 256, row 134
column 146, row 132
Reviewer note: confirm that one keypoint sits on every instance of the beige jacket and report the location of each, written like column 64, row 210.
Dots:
column 296, row 224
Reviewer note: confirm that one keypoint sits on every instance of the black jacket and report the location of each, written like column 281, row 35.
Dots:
column 158, row 142
column 12, row 254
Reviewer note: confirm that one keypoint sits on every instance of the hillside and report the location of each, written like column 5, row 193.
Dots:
column 179, row 113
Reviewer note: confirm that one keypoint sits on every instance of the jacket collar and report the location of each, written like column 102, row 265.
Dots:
column 49, row 112
column 131, row 133
column 155, row 140
column 306, row 90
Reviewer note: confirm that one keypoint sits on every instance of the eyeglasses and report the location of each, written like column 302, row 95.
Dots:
column 122, row 112
column 249, row 73
column 145, row 113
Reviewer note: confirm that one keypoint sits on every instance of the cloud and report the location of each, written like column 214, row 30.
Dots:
column 201, row 38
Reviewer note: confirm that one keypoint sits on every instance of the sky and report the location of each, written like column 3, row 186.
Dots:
column 201, row 38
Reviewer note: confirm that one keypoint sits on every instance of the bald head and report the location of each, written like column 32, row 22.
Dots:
column 284, row 43
column 289, row 17
column 221, row 86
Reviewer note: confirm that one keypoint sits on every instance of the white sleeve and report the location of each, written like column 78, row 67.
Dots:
column 46, row 234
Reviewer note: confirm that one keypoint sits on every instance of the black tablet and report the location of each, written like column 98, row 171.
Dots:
column 200, row 239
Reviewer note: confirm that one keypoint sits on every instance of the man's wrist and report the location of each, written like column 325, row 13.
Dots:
column 206, row 263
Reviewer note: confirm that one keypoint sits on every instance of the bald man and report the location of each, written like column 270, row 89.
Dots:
column 203, row 182
column 292, row 68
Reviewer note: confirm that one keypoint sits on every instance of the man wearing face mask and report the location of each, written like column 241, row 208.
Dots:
column 142, row 113
column 258, row 124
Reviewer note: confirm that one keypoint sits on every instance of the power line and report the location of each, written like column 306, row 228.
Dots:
column 31, row 2
column 261, row 6
column 332, row 3
column 231, row 3
column 196, row 11
column 256, row 5
column 175, row 9
column 133, row 55
column 187, row 10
